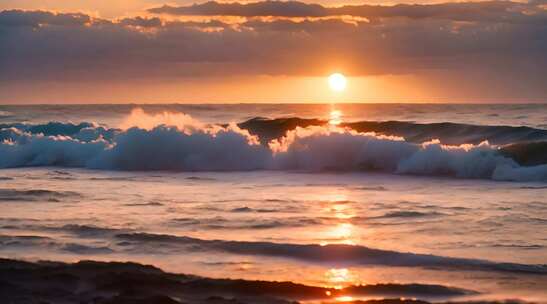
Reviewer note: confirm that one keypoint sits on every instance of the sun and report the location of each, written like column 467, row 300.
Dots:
column 337, row 82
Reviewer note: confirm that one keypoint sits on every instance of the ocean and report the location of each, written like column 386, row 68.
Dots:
column 348, row 202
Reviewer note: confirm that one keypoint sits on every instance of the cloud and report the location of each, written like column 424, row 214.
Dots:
column 142, row 22
column 493, row 11
column 447, row 44
column 262, row 8
column 21, row 18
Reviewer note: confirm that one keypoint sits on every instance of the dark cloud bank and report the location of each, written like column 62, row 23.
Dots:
column 492, row 11
column 500, row 44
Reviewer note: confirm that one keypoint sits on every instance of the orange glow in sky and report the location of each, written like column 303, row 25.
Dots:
column 159, row 52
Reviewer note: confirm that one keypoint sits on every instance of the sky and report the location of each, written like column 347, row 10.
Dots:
column 151, row 51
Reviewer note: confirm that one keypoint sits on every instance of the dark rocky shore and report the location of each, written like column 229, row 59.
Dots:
column 120, row 283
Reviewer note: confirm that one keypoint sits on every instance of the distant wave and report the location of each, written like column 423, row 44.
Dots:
column 447, row 132
column 4, row 114
column 192, row 146
column 35, row 195
column 129, row 241
column 335, row 253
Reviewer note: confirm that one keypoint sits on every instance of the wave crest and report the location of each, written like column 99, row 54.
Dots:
column 168, row 148
column 162, row 142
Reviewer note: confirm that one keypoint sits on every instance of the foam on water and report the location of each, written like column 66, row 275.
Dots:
column 179, row 143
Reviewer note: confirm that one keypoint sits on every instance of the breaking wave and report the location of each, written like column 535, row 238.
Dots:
column 341, row 254
column 179, row 143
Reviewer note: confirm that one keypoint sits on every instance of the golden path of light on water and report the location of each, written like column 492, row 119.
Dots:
column 337, row 206
column 339, row 278
column 335, row 117
column 345, row 299
column 343, row 231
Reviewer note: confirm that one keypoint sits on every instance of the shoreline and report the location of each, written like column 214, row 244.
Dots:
column 127, row 282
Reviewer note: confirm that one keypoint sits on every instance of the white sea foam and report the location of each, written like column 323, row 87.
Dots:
column 179, row 142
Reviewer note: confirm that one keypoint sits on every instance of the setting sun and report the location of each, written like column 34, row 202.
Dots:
column 337, row 82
